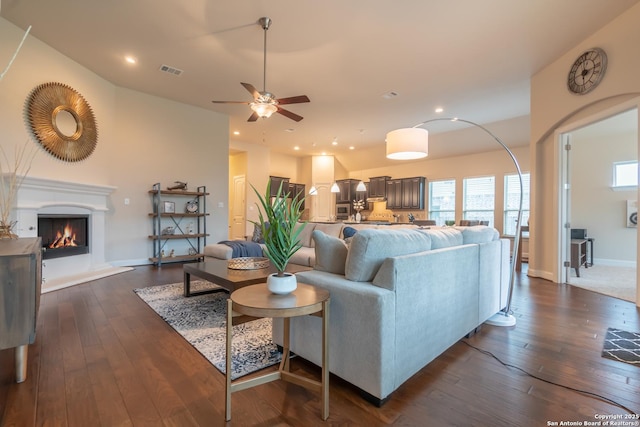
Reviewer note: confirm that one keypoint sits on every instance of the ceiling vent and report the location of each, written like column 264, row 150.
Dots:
column 171, row 70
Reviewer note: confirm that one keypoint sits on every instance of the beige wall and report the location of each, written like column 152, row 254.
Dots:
column 496, row 163
column 554, row 108
column 142, row 140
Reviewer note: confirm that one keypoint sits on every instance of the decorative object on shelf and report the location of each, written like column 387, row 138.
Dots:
column 248, row 263
column 169, row 207
column 413, row 143
column 172, row 253
column 587, row 71
column 179, row 185
column 62, row 120
column 168, row 230
column 411, row 217
column 191, row 206
column 192, row 251
column 278, row 222
column 11, row 176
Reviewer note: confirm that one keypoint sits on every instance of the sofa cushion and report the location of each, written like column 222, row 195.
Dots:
column 218, row 250
column 443, row 237
column 304, row 256
column 331, row 253
column 370, row 247
column 257, row 236
column 479, row 234
column 305, row 234
column 329, row 229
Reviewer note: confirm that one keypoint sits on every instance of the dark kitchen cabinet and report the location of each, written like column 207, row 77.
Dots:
column 275, row 184
column 394, row 194
column 299, row 190
column 378, row 186
column 413, row 190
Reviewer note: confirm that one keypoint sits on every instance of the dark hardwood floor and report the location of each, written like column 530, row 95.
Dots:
column 103, row 358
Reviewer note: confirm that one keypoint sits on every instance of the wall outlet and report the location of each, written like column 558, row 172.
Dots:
column 126, row 201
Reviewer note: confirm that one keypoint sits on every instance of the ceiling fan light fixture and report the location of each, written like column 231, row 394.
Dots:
column 263, row 110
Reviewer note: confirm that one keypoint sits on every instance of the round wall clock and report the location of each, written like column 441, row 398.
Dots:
column 192, row 206
column 62, row 121
column 587, row 71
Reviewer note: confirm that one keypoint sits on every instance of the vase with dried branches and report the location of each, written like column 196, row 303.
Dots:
column 11, row 176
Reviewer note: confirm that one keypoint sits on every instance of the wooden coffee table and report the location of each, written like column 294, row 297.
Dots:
column 216, row 271
column 257, row 301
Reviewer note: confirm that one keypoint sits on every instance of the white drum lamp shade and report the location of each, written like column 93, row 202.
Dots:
column 407, row 144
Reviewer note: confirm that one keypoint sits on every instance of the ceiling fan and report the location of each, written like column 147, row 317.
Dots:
column 265, row 103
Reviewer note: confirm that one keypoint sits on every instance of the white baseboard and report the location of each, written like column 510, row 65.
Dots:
column 67, row 281
column 614, row 262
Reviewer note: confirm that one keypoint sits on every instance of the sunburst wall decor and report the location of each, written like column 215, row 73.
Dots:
column 44, row 105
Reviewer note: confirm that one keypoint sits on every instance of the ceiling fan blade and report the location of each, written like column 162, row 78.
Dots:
column 253, row 117
column 294, row 100
column 231, row 102
column 252, row 90
column 289, row 114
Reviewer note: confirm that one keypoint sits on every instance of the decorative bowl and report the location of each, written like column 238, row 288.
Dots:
column 248, row 263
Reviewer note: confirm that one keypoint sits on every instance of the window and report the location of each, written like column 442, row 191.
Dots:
column 512, row 202
column 625, row 174
column 442, row 201
column 479, row 199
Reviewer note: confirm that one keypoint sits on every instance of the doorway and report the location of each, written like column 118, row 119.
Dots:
column 601, row 255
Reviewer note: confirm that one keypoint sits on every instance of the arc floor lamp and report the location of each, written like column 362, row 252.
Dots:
column 413, row 143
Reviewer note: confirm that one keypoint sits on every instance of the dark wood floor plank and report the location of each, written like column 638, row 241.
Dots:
column 102, row 357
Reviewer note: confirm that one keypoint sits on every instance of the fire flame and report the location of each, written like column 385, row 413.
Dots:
column 65, row 239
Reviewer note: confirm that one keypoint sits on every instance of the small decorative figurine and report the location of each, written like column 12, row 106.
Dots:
column 179, row 185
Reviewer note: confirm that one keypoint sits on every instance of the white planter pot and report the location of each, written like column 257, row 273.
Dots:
column 282, row 285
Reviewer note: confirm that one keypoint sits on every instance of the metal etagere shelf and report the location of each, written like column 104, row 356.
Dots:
column 169, row 223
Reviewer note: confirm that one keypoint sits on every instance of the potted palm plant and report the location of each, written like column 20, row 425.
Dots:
column 277, row 221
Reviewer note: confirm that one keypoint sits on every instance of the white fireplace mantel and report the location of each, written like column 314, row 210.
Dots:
column 47, row 196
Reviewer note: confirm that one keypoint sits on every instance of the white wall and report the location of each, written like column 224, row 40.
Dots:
column 594, row 204
column 553, row 107
column 141, row 140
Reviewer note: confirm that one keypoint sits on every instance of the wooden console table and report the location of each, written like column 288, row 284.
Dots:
column 256, row 301
column 20, row 283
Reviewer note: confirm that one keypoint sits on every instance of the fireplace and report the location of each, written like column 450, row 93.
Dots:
column 63, row 235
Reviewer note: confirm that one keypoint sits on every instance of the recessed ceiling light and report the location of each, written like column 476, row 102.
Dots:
column 236, row 132
column 352, row 148
column 130, row 59
column 296, row 148
column 324, row 153
column 439, row 110
column 335, row 142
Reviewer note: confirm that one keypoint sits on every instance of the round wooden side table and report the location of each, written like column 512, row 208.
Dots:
column 256, row 301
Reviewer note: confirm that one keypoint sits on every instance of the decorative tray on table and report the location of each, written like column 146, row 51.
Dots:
column 248, row 263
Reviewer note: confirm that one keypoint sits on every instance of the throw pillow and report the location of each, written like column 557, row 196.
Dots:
column 331, row 253
column 348, row 232
column 257, row 233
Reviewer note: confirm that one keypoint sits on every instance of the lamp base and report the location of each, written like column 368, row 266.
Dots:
column 501, row 319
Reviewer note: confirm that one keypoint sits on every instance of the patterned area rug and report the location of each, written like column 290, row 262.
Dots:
column 201, row 320
column 622, row 346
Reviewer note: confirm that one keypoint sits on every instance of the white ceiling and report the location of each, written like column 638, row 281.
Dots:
column 473, row 58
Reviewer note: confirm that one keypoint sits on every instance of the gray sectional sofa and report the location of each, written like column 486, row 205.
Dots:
column 400, row 296
column 399, row 299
